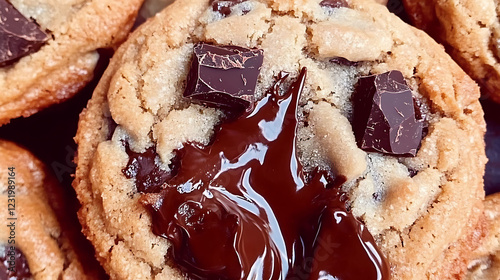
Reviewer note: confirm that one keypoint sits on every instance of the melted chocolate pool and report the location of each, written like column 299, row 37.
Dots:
column 243, row 208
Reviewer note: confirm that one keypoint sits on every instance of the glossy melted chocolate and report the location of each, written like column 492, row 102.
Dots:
column 243, row 208
column 144, row 167
column 13, row 265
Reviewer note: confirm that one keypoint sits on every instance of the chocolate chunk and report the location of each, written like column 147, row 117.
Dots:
column 224, row 6
column 243, row 207
column 377, row 196
column 420, row 111
column 334, row 4
column 223, row 76
column 344, row 61
column 18, row 35
column 13, row 264
column 412, row 172
column 146, row 170
column 384, row 115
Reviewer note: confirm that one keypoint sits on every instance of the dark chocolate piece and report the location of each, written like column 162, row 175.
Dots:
column 334, row 4
column 344, row 61
column 412, row 172
column 492, row 139
column 224, row 6
column 223, row 76
column 18, row 35
column 242, row 207
column 384, row 115
column 13, row 264
column 145, row 168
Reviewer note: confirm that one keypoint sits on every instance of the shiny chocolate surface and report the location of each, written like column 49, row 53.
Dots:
column 223, row 76
column 243, row 207
column 19, row 36
column 385, row 115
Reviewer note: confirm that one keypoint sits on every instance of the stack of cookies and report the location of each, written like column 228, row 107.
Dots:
column 254, row 139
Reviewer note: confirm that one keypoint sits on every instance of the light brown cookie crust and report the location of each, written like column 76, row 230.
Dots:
column 470, row 30
column 65, row 64
column 485, row 261
column 412, row 222
column 38, row 234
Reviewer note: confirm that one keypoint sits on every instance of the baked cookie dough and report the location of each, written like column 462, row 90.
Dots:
column 422, row 203
column 49, row 49
column 470, row 31
column 485, row 263
column 32, row 243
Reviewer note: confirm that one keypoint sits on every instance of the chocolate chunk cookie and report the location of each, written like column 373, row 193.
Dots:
column 281, row 140
column 470, row 31
column 49, row 49
column 33, row 245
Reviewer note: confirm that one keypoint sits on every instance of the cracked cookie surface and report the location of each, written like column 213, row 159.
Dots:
column 470, row 31
column 409, row 204
column 65, row 63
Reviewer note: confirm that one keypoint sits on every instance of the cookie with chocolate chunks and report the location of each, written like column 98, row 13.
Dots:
column 281, row 190
column 49, row 49
column 38, row 240
column 471, row 33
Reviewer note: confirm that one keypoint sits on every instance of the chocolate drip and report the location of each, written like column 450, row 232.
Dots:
column 242, row 208
column 13, row 264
